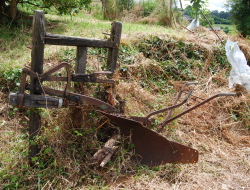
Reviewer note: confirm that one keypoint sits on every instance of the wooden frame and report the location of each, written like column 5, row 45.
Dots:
column 40, row 38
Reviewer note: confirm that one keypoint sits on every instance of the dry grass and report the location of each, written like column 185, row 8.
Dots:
column 219, row 130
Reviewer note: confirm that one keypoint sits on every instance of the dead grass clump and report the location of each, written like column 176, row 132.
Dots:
column 236, row 139
column 201, row 29
column 148, row 20
column 137, row 10
column 245, row 48
column 127, row 16
column 220, row 80
column 137, row 99
column 240, row 90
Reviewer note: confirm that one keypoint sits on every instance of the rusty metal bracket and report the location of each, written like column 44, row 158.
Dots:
column 71, row 98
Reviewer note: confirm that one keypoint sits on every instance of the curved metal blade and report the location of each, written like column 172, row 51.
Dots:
column 153, row 148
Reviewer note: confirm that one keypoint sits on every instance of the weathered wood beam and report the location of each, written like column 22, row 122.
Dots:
column 37, row 56
column 81, row 59
column 36, row 101
column 55, row 39
column 115, row 37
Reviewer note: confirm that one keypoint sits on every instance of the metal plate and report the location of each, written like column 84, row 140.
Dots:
column 152, row 148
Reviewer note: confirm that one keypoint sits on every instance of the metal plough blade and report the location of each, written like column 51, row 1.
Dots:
column 152, row 148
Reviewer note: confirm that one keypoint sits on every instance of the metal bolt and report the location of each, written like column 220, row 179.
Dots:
column 37, row 88
column 38, row 102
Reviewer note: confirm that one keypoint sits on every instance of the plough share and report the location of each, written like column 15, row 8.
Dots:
column 151, row 148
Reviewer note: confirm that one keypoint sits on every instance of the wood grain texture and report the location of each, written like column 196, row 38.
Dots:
column 103, row 156
column 37, row 56
column 55, row 39
column 81, row 59
column 115, row 38
column 36, row 101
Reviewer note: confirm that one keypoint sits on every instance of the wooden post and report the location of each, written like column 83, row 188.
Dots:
column 81, row 59
column 115, row 38
column 37, row 56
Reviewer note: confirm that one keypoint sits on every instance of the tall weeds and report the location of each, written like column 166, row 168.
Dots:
column 146, row 11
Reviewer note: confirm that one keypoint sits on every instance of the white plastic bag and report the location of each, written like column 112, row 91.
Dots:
column 195, row 23
column 240, row 73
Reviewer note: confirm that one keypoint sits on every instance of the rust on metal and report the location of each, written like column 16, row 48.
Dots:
column 151, row 148
column 145, row 119
column 20, row 99
column 166, row 121
column 70, row 97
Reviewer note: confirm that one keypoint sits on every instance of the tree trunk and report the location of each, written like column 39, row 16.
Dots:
column 182, row 11
column 13, row 9
column 2, row 4
column 104, row 8
column 171, row 13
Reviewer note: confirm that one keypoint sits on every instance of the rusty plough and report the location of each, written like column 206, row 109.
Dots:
column 151, row 148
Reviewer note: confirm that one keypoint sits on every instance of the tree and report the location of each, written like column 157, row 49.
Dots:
column 226, row 30
column 203, row 21
column 9, row 8
column 196, row 6
column 240, row 15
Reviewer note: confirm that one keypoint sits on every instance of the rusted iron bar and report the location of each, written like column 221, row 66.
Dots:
column 146, row 119
column 179, row 95
column 171, row 107
column 166, row 121
column 56, row 68
column 73, row 97
column 194, row 95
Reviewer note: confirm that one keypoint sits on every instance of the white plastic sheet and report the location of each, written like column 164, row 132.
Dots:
column 240, row 73
column 195, row 23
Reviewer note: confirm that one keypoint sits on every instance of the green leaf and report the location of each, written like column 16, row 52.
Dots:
column 34, row 159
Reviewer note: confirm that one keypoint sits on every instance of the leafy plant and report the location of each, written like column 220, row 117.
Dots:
column 63, row 7
column 240, row 15
column 196, row 6
column 11, row 78
column 148, row 7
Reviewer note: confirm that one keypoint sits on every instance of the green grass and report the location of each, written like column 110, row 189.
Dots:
column 232, row 28
column 17, row 36
column 63, row 160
